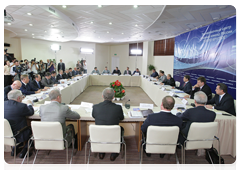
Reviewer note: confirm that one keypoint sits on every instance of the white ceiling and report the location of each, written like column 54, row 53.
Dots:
column 90, row 23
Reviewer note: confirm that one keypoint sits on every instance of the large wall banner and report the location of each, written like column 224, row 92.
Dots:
column 209, row 51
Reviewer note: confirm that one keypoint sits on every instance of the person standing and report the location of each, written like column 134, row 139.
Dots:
column 51, row 67
column 61, row 66
column 85, row 66
column 7, row 75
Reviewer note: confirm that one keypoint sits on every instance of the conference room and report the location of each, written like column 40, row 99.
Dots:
column 120, row 84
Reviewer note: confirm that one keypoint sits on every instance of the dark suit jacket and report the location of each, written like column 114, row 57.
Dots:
column 47, row 83
column 6, row 90
column 107, row 113
column 54, row 80
column 170, row 82
column 70, row 75
column 206, row 89
column 226, row 103
column 59, row 77
column 16, row 113
column 161, row 119
column 65, row 76
column 125, row 72
column 116, row 72
column 155, row 74
column 35, row 85
column 136, row 72
column 63, row 67
column 28, row 89
column 74, row 73
column 187, row 88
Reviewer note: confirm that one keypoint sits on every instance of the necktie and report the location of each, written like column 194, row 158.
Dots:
column 184, row 84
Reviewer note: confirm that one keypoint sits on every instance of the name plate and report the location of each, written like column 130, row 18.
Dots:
column 146, row 106
column 184, row 101
column 171, row 93
column 95, row 74
column 105, row 74
column 127, row 75
column 86, row 104
column 136, row 74
column 115, row 74
column 163, row 88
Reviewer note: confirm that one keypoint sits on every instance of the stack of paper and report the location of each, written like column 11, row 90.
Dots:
column 135, row 114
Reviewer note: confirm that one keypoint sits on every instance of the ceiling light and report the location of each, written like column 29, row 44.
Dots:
column 55, row 47
column 29, row 13
column 135, row 6
column 112, row 38
column 33, row 37
column 108, row 32
column 25, row 30
column 30, row 24
column 52, row 25
column 122, row 33
column 32, row 34
column 86, row 50
column 110, row 23
column 45, row 31
column 9, row 24
column 99, row 6
column 91, row 22
column 64, row 6
column 135, row 51
column 136, row 25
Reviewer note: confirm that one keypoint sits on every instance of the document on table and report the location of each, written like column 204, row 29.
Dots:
column 179, row 105
column 136, row 114
column 75, row 107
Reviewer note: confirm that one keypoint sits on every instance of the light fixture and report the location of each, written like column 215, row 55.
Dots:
column 55, row 47
column 86, row 50
column 9, row 24
column 135, row 51
column 30, row 24
column 99, row 6
column 45, row 31
column 29, row 13
column 64, row 6
column 107, row 31
column 135, row 6
column 122, row 33
column 32, row 34
column 110, row 23
column 91, row 22
column 52, row 25
column 25, row 30
column 33, row 37
column 136, row 25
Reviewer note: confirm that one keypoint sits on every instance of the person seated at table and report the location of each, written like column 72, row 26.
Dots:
column 169, row 81
column 70, row 73
column 15, row 85
column 15, row 112
column 95, row 70
column 37, row 84
column 200, row 86
column 116, row 71
column 65, row 74
column 108, row 113
column 26, row 88
column 197, row 114
column 127, row 71
column 163, row 118
column 59, row 76
column 106, row 71
column 47, row 81
column 136, row 71
column 74, row 72
column 222, row 100
column 78, row 72
column 57, row 112
column 53, row 77
column 186, row 86
column 162, row 76
column 154, row 73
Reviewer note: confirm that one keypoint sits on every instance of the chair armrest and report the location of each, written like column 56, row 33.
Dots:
column 21, row 130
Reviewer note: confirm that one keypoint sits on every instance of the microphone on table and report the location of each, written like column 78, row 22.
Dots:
column 127, row 106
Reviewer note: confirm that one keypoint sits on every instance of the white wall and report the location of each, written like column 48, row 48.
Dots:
column 164, row 63
column 102, row 54
column 15, row 46
column 122, row 51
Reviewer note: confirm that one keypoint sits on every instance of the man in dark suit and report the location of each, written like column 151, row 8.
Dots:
column 201, row 86
column 163, row 118
column 186, row 86
column 169, row 81
column 116, row 71
column 70, row 74
column 53, row 77
column 108, row 113
column 46, row 81
column 15, row 85
column 136, row 71
column 26, row 88
column 197, row 114
column 65, row 74
column 37, row 84
column 222, row 100
column 60, row 75
column 15, row 112
column 74, row 72
column 154, row 73
column 127, row 71
column 61, row 66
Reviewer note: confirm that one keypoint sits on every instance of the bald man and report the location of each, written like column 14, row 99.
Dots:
column 15, row 85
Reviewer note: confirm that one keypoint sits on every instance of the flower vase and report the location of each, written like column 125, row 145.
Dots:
column 118, row 98
column 122, row 98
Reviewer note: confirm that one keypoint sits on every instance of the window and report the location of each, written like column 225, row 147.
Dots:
column 136, row 49
column 164, row 47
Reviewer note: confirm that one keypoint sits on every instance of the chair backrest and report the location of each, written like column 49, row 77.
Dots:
column 236, row 106
column 201, row 131
column 162, row 135
column 177, row 83
column 8, row 134
column 49, row 132
column 102, row 133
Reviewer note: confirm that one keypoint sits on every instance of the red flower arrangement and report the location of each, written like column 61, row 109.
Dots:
column 118, row 89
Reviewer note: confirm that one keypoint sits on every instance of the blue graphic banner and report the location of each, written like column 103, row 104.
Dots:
column 209, row 51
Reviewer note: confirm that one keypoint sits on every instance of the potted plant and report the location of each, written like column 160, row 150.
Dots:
column 151, row 67
column 118, row 89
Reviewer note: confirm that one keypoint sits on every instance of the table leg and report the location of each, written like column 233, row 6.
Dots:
column 82, row 134
column 138, row 134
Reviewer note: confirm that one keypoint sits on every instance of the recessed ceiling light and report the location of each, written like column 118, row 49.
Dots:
column 25, row 30
column 99, row 6
column 110, row 23
column 122, row 33
column 112, row 38
column 91, row 22
column 29, row 13
column 98, row 37
column 33, row 37
column 32, row 34
column 136, row 25
column 135, row 6
column 9, row 24
column 30, row 24
column 64, row 6
column 45, row 31
column 107, row 31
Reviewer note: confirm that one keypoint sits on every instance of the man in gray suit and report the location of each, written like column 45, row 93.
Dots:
column 127, row 71
column 95, row 71
column 57, row 112
column 106, row 71
column 47, row 81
